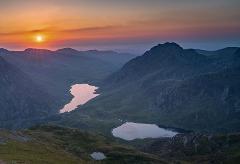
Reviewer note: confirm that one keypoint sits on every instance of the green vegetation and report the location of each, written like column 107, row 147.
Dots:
column 48, row 144
column 52, row 144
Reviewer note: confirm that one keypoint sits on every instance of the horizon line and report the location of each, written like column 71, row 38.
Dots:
column 102, row 50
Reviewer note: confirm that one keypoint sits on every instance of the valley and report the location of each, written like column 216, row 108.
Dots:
column 131, row 111
column 168, row 86
column 119, row 82
column 54, row 72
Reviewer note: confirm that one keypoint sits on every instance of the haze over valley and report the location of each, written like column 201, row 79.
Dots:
column 143, row 82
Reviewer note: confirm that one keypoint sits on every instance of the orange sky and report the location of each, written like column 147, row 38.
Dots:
column 95, row 23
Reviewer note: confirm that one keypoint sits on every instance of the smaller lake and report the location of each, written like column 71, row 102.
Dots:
column 98, row 156
column 130, row 131
column 82, row 93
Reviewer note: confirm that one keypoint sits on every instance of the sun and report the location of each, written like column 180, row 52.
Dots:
column 39, row 38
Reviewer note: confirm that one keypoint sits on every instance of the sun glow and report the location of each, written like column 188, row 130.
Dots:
column 39, row 38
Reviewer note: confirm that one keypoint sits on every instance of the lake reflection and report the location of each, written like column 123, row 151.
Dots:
column 82, row 93
column 130, row 131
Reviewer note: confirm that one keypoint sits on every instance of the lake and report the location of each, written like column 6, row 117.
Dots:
column 82, row 93
column 130, row 131
column 98, row 156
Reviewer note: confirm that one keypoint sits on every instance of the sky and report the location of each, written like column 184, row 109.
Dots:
column 126, row 25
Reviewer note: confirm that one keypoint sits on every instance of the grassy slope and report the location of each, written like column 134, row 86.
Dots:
column 51, row 144
column 59, row 145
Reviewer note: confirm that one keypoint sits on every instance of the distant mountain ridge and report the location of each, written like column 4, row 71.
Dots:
column 172, row 61
column 65, row 65
column 111, row 58
column 228, row 50
column 65, row 50
column 53, row 73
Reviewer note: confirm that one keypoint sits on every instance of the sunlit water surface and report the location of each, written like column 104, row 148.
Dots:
column 130, row 131
column 82, row 93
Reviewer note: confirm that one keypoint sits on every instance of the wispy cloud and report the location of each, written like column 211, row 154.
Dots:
column 92, row 29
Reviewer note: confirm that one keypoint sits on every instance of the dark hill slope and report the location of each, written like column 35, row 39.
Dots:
column 168, row 60
column 56, row 71
column 207, row 102
column 21, row 101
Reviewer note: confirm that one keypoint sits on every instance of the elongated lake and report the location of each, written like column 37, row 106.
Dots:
column 82, row 93
column 130, row 131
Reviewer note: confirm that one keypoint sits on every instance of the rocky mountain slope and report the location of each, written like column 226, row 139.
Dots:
column 197, row 148
column 169, row 86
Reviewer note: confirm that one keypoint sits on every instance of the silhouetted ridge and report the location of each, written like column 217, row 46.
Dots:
column 68, row 51
column 167, row 47
column 221, row 52
column 168, row 60
column 3, row 51
column 102, row 52
column 37, row 51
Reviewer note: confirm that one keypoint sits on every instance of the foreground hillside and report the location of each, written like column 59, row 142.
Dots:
column 56, row 145
column 59, row 145
column 198, row 148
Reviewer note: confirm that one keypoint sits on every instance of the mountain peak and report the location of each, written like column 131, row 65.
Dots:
column 169, row 48
column 169, row 45
column 3, row 51
column 34, row 50
column 67, row 50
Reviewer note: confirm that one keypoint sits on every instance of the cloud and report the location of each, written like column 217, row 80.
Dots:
column 25, row 32
column 52, row 29
column 92, row 29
